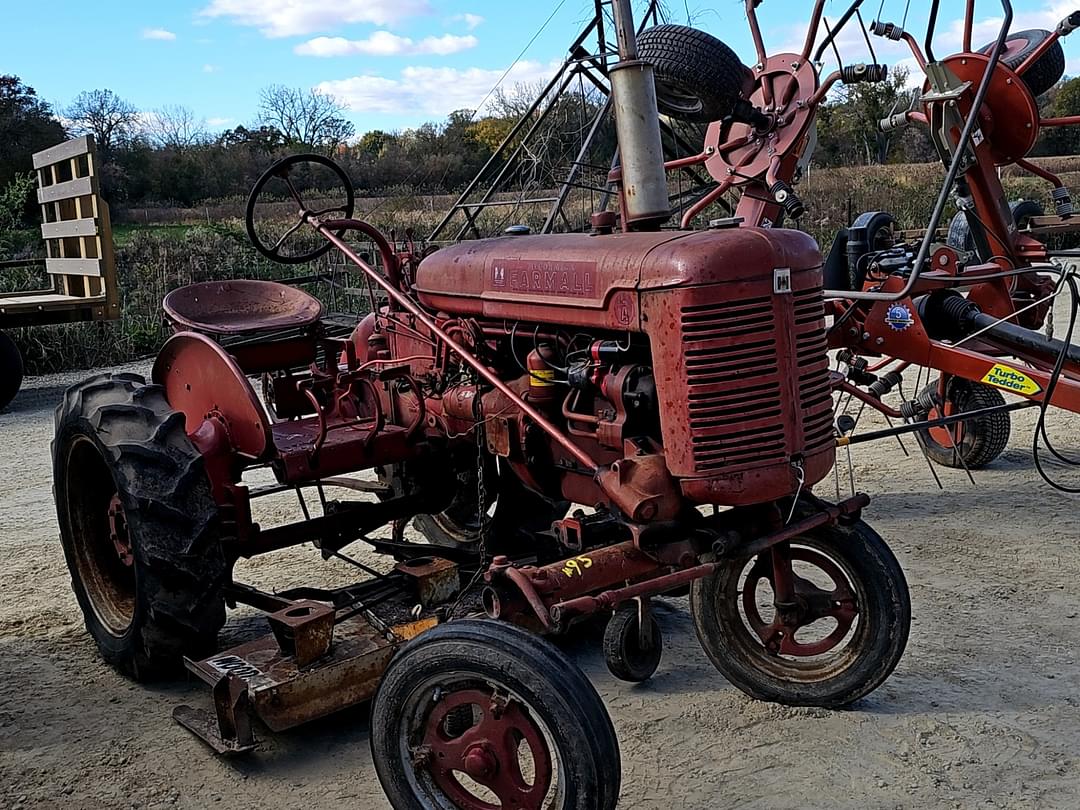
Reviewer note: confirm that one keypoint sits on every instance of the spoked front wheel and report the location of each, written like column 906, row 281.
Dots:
column 820, row 621
column 481, row 715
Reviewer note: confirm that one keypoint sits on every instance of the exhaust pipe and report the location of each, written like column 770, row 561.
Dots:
column 637, row 124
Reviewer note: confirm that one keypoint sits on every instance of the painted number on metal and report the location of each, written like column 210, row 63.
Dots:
column 1008, row 378
column 577, row 566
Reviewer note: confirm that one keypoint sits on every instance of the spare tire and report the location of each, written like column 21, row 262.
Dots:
column 1046, row 72
column 698, row 78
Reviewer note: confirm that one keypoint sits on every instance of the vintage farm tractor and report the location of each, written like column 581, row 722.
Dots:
column 675, row 383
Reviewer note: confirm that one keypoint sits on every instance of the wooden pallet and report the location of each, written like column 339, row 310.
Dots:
column 80, row 260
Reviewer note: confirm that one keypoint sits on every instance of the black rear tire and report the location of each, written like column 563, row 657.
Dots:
column 546, row 688
column 11, row 369
column 139, row 527
column 1049, row 68
column 698, row 78
column 832, row 680
column 982, row 439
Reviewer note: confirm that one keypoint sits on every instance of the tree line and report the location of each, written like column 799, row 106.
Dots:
column 171, row 157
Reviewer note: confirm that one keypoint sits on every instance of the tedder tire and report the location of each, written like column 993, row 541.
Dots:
column 522, row 693
column 11, row 369
column 698, row 77
column 981, row 440
column 872, row 609
column 139, row 527
column 1049, row 68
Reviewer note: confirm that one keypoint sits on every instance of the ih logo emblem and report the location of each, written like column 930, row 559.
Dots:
column 781, row 281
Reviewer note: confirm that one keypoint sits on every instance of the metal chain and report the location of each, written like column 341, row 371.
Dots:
column 481, row 498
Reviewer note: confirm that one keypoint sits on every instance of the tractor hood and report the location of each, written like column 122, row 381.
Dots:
column 596, row 280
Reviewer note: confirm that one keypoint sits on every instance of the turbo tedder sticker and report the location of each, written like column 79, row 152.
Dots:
column 1009, row 379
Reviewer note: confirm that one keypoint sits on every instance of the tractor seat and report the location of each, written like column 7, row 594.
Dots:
column 240, row 307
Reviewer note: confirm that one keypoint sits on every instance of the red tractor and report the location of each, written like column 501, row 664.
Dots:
column 675, row 383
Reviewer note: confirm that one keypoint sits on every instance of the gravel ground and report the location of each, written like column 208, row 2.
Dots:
column 983, row 710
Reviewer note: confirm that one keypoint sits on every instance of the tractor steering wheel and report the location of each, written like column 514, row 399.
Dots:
column 281, row 170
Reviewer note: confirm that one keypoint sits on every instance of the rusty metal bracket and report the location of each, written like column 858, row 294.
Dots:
column 228, row 732
column 304, row 631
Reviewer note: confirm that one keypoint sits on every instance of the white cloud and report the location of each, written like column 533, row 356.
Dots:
column 383, row 43
column 473, row 21
column 429, row 90
column 218, row 122
column 158, row 33
column 285, row 18
column 210, row 68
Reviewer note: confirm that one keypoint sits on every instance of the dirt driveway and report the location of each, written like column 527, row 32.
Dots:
column 984, row 710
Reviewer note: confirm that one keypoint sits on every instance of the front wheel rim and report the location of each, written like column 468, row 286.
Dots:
column 504, row 757
column 830, row 652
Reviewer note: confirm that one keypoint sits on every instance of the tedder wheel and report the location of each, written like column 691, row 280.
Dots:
column 972, row 444
column 539, row 735
column 11, row 369
column 838, row 641
column 630, row 654
column 698, row 78
column 139, row 527
column 961, row 238
column 1046, row 72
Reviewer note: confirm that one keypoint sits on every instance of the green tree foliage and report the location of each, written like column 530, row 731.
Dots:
column 27, row 125
column 848, row 130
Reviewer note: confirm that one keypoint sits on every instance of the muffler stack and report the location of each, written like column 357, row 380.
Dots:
column 637, row 122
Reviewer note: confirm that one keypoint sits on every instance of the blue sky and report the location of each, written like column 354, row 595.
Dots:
column 396, row 63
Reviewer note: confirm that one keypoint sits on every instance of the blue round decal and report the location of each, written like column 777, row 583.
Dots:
column 899, row 317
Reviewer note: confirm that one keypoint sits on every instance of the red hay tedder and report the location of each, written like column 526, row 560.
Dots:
column 644, row 373
column 967, row 303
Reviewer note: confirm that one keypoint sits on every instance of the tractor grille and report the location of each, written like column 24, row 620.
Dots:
column 815, row 390
column 735, row 399
column 736, row 387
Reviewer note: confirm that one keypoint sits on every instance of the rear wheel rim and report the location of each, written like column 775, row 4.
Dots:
column 504, row 758
column 99, row 536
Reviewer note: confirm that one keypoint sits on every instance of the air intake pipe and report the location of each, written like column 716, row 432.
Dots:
column 637, row 123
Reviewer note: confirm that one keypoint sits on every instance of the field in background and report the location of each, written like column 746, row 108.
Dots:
column 161, row 249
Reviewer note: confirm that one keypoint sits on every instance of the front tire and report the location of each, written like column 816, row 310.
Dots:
column 139, row 528
column 477, row 710
column 868, row 602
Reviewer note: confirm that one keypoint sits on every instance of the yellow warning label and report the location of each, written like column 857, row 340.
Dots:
column 1009, row 379
column 543, row 378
